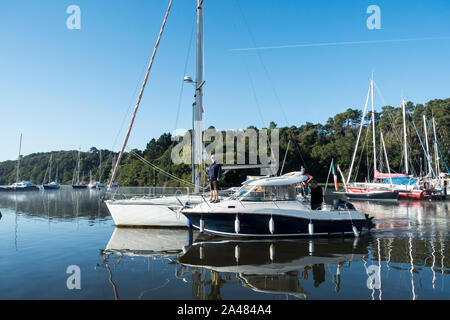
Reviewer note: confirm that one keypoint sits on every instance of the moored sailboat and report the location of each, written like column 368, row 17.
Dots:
column 76, row 183
column 51, row 185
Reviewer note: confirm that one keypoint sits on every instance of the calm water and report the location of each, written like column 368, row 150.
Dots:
column 42, row 234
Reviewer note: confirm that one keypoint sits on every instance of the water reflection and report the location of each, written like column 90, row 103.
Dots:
column 64, row 204
column 275, row 267
column 404, row 257
column 414, row 218
column 152, row 243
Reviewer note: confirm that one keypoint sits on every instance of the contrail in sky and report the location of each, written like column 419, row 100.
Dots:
column 328, row 44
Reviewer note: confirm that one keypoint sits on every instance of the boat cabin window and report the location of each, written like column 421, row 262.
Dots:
column 267, row 193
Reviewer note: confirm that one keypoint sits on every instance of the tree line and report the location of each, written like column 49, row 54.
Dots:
column 312, row 146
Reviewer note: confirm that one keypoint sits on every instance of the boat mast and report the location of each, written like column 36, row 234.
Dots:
column 373, row 133
column 50, row 170
column 18, row 159
column 426, row 144
column 100, row 168
column 78, row 167
column 140, row 96
column 436, row 154
column 198, row 108
column 404, row 136
column 387, row 160
column 359, row 136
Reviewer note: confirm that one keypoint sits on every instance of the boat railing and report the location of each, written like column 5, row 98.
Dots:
column 125, row 193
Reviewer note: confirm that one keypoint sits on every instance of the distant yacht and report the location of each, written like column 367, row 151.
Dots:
column 77, row 184
column 97, row 184
column 20, row 185
column 51, row 185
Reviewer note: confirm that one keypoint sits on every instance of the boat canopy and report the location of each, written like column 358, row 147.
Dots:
column 405, row 181
column 286, row 179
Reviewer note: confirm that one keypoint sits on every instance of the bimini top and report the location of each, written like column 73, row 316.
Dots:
column 286, row 179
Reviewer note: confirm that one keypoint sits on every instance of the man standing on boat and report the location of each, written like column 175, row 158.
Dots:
column 215, row 172
column 304, row 184
column 316, row 196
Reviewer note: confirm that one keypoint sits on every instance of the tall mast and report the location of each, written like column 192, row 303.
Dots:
column 359, row 136
column 385, row 155
column 100, row 168
column 373, row 133
column 198, row 108
column 18, row 159
column 78, row 167
column 50, row 170
column 405, row 146
column 426, row 144
column 436, row 154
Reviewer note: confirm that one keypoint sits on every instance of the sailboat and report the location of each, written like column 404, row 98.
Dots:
column 51, row 185
column 20, row 185
column 386, row 186
column 164, row 211
column 97, row 184
column 76, row 184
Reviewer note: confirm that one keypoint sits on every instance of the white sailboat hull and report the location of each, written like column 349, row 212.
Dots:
column 158, row 212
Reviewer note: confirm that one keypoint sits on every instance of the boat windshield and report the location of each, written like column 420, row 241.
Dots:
column 266, row 193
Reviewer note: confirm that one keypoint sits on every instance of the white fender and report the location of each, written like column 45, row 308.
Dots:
column 272, row 252
column 237, row 252
column 202, row 225
column 237, row 225
column 311, row 228
column 271, row 225
column 311, row 247
column 201, row 253
column 355, row 231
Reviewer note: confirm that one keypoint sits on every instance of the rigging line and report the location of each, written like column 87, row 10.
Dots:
column 182, row 88
column 184, row 73
column 130, row 104
column 362, row 152
column 421, row 143
column 141, row 93
column 398, row 136
column 263, row 65
column 139, row 157
column 437, row 145
column 245, row 64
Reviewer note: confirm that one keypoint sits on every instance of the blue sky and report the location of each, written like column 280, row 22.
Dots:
column 68, row 89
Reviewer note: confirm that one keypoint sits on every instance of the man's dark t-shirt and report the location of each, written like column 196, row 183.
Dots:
column 215, row 171
column 316, row 197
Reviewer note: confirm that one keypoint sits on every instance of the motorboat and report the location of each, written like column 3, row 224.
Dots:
column 269, row 207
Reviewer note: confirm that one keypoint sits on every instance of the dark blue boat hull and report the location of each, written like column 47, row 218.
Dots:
column 51, row 187
column 257, row 225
